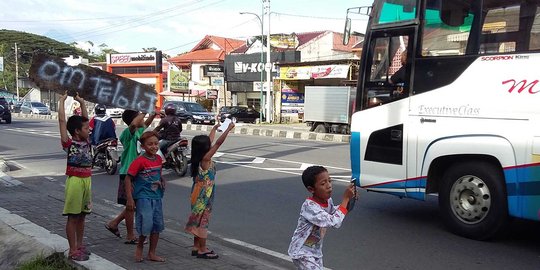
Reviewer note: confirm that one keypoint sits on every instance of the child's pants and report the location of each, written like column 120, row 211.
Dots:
column 308, row 263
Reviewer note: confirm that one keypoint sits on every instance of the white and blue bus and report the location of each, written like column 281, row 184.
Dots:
column 459, row 115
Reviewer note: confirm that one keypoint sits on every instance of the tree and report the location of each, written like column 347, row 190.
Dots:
column 29, row 44
column 104, row 50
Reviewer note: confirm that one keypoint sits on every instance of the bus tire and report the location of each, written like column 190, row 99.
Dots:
column 472, row 200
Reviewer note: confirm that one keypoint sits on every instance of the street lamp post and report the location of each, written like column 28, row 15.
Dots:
column 266, row 7
column 262, row 60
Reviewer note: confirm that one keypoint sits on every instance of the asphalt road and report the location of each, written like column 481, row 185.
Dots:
column 259, row 193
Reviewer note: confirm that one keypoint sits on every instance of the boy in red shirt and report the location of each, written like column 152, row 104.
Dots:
column 147, row 191
column 78, row 192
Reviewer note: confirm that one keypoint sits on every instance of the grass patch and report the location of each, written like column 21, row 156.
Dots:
column 56, row 261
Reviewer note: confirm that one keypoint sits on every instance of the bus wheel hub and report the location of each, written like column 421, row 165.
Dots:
column 470, row 199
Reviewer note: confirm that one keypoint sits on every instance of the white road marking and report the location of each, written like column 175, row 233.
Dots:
column 112, row 203
column 262, row 250
column 280, row 170
column 50, row 179
column 18, row 164
column 305, row 166
column 45, row 133
column 302, row 165
column 297, row 145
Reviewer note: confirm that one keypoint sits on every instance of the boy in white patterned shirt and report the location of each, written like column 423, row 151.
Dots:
column 316, row 215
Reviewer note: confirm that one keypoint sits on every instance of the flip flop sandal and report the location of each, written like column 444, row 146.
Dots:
column 113, row 231
column 194, row 252
column 208, row 255
column 79, row 256
column 132, row 242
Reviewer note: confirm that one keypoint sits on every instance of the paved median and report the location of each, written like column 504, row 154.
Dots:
column 266, row 130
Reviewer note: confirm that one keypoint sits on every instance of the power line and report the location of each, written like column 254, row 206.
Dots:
column 64, row 20
column 314, row 17
column 138, row 20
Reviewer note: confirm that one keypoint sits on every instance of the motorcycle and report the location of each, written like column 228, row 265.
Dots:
column 176, row 157
column 105, row 155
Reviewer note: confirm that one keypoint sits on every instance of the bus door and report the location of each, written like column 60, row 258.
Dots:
column 386, row 87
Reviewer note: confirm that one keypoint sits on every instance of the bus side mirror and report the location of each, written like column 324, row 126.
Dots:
column 453, row 13
column 347, row 31
column 409, row 6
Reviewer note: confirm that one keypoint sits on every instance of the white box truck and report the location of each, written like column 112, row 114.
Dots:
column 328, row 109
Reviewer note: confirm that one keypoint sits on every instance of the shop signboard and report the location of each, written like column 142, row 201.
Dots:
column 179, row 81
column 211, row 94
column 289, row 98
column 213, row 71
column 132, row 58
column 217, row 81
column 94, row 85
column 248, row 67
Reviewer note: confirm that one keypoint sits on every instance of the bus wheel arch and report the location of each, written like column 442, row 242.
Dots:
column 472, row 195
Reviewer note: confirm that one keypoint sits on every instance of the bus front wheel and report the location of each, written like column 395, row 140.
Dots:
column 472, row 200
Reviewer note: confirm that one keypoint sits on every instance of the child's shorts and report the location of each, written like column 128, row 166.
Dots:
column 78, row 196
column 148, row 216
column 308, row 263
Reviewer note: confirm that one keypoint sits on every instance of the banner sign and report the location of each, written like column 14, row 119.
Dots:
column 179, row 81
column 292, row 98
column 314, row 72
column 211, row 94
column 284, row 41
column 1, row 64
column 289, row 87
column 94, row 85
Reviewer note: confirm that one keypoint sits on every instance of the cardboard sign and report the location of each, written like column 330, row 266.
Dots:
column 224, row 125
column 94, row 85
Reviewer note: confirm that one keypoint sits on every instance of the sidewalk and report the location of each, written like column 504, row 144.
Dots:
column 291, row 131
column 31, row 224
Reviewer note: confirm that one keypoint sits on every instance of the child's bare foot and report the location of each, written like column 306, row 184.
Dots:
column 138, row 254
column 155, row 258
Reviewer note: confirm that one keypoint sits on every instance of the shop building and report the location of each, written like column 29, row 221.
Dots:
column 143, row 67
column 316, row 58
column 200, row 72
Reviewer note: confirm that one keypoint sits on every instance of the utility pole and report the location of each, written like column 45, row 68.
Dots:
column 268, row 65
column 261, row 85
column 17, row 70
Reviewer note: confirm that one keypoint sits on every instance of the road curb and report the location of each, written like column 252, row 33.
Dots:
column 244, row 130
column 3, row 166
column 54, row 243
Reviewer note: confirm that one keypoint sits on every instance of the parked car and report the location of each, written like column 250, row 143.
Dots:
column 114, row 112
column 191, row 112
column 239, row 114
column 5, row 113
column 35, row 107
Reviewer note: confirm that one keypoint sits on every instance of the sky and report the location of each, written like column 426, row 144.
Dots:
column 173, row 26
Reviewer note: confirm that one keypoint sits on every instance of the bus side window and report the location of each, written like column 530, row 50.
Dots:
column 441, row 35
column 514, row 28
